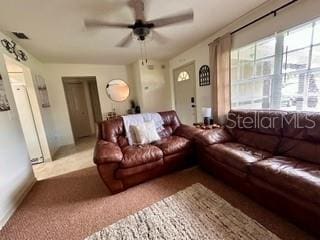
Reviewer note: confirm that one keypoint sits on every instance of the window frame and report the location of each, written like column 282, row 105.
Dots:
column 278, row 70
column 186, row 78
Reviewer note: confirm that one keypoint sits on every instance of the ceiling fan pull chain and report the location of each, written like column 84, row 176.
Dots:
column 145, row 51
column 141, row 52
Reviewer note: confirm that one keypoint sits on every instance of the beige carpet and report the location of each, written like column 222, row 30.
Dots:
column 194, row 213
column 76, row 205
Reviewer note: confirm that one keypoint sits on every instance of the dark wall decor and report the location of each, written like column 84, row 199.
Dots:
column 204, row 75
column 4, row 103
column 42, row 91
column 11, row 48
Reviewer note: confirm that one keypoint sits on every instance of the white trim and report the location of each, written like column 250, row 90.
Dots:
column 17, row 201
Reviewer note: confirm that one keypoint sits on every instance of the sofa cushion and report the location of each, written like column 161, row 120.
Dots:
column 264, row 142
column 170, row 123
column 291, row 175
column 302, row 126
column 112, row 130
column 259, row 121
column 127, row 172
column 173, row 144
column 214, row 136
column 304, row 150
column 236, row 155
column 138, row 155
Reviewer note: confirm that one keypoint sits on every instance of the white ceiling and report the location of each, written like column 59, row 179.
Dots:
column 57, row 33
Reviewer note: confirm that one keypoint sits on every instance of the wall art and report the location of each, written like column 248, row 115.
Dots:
column 42, row 91
column 4, row 103
column 204, row 76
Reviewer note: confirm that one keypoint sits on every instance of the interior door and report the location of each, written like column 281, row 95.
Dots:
column 78, row 110
column 184, row 86
column 27, row 123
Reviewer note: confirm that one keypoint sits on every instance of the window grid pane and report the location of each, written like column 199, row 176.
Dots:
column 298, row 38
column 254, row 83
column 316, row 33
column 296, row 60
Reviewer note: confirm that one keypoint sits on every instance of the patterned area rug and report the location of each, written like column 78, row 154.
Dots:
column 193, row 213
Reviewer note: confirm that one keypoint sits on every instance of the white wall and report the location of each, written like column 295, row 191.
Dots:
column 16, row 176
column 300, row 12
column 103, row 74
column 152, row 85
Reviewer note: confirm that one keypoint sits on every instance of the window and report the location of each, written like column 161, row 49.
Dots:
column 252, row 70
column 279, row 72
column 183, row 76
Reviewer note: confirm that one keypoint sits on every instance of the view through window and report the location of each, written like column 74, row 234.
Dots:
column 279, row 72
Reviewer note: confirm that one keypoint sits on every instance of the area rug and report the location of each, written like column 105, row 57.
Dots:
column 193, row 213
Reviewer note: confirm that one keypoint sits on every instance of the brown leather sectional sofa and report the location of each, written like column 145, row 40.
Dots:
column 122, row 166
column 274, row 157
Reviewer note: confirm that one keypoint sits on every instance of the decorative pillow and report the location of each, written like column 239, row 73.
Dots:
column 146, row 132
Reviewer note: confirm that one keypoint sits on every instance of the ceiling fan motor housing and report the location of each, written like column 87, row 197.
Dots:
column 141, row 32
column 141, row 29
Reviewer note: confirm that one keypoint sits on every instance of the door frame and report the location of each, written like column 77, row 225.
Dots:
column 75, row 79
column 193, row 62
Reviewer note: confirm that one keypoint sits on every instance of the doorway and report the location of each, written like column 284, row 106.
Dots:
column 185, row 94
column 83, row 105
column 17, row 76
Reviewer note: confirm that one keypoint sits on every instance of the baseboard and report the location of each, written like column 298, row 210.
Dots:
column 17, row 201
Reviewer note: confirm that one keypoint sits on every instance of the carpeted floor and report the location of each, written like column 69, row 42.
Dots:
column 75, row 205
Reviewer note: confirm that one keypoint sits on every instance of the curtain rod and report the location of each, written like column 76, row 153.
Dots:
column 274, row 13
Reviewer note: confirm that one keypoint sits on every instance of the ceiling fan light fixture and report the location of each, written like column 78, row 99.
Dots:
column 141, row 32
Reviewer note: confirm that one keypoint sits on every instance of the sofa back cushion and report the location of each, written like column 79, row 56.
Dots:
column 264, row 122
column 302, row 126
column 260, row 141
column 113, row 130
column 258, row 129
column 171, row 123
column 301, row 136
column 304, row 150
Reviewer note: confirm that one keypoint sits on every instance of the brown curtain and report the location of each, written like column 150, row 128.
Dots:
column 220, row 50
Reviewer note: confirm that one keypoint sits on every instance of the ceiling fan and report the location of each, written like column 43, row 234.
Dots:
column 141, row 27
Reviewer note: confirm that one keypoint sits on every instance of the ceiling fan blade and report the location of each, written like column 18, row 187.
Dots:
column 125, row 41
column 159, row 37
column 91, row 23
column 138, row 8
column 173, row 19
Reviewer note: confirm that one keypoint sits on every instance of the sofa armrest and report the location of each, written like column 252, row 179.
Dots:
column 107, row 152
column 187, row 132
column 214, row 136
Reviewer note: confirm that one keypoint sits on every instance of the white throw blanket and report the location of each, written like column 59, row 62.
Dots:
column 156, row 117
column 136, row 119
